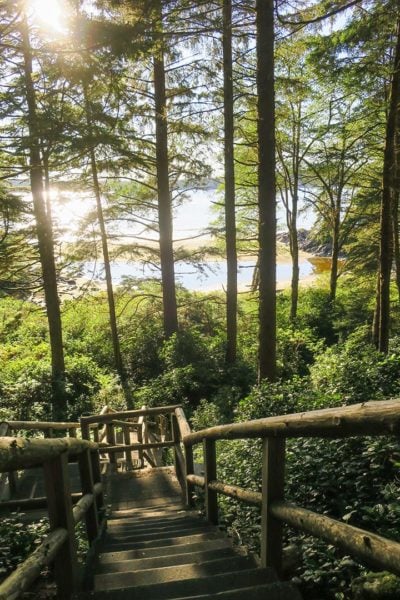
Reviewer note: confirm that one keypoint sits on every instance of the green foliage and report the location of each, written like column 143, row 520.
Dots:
column 18, row 540
column 356, row 372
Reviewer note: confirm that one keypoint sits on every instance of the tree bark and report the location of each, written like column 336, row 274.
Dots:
column 163, row 187
column 388, row 190
column 294, row 244
column 44, row 234
column 334, row 255
column 266, row 188
column 230, row 217
column 106, row 255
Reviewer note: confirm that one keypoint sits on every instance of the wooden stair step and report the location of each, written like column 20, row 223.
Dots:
column 169, row 541
column 126, row 537
column 164, row 561
column 269, row 591
column 172, row 573
column 212, row 584
column 192, row 547
column 135, row 527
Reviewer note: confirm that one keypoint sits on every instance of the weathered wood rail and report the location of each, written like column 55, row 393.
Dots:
column 372, row 419
column 137, row 420
column 60, row 546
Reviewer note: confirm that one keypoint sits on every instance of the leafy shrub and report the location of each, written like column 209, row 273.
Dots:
column 356, row 371
column 18, row 540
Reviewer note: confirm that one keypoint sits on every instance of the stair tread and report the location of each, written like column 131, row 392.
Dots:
column 191, row 587
column 170, row 541
column 129, row 554
column 125, row 537
column 271, row 591
column 163, row 561
column 172, row 573
column 134, row 527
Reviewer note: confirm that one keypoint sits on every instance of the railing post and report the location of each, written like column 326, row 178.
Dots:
column 189, row 469
column 85, row 429
column 96, row 474
column 142, row 435
column 96, row 434
column 175, row 439
column 110, row 437
column 128, row 453
column 60, row 515
column 210, row 474
column 85, row 471
column 72, row 433
column 273, row 482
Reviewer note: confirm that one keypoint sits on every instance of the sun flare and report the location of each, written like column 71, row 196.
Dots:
column 50, row 14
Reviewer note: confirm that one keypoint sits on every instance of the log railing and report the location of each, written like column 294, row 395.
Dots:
column 139, row 420
column 372, row 419
column 59, row 547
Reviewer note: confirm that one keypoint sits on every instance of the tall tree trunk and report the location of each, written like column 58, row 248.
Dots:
column 294, row 251
column 44, row 234
column 294, row 243
column 106, row 255
column 334, row 255
column 46, row 171
column 163, row 188
column 388, row 189
column 230, row 217
column 396, row 240
column 377, row 311
column 395, row 203
column 266, row 188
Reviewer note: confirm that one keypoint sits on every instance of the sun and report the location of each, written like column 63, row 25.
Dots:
column 51, row 14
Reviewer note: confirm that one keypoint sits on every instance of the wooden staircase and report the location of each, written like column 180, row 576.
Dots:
column 155, row 550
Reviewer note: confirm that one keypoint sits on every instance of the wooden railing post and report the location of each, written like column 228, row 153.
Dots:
column 60, row 515
column 85, row 429
column 189, row 470
column 96, row 434
column 175, row 439
column 128, row 453
column 273, row 482
column 96, row 474
column 142, row 435
column 110, row 437
column 210, row 474
column 87, row 484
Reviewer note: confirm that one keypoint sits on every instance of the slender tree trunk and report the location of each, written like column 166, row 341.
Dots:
column 294, row 251
column 106, row 255
column 375, row 322
column 163, row 188
column 266, row 188
column 396, row 240
column 46, row 170
column 386, row 230
column 334, row 256
column 230, row 217
column 395, row 204
column 44, row 234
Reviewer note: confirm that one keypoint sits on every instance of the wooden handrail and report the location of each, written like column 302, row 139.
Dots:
column 372, row 418
column 20, row 453
column 106, row 418
column 59, row 547
column 367, row 418
column 28, row 571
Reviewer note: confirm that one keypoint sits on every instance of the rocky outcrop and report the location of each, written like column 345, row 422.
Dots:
column 307, row 243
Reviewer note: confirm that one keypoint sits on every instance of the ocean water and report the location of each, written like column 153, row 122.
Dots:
column 212, row 278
